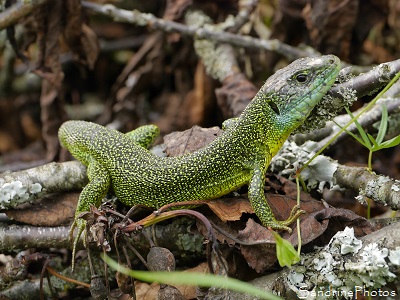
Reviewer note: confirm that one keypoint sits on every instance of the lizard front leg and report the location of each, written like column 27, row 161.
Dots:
column 261, row 206
column 92, row 194
column 229, row 123
column 144, row 135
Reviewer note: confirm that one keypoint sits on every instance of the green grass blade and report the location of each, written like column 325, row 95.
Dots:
column 352, row 134
column 390, row 143
column 367, row 142
column 375, row 145
column 196, row 279
column 383, row 125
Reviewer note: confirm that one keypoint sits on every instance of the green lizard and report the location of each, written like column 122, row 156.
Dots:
column 239, row 156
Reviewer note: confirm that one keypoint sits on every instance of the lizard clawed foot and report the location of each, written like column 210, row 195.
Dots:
column 295, row 214
column 283, row 225
column 80, row 224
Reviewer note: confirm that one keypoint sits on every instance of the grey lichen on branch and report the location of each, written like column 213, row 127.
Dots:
column 381, row 189
column 218, row 59
column 324, row 171
column 24, row 186
column 347, row 263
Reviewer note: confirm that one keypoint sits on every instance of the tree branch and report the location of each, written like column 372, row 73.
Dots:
column 146, row 19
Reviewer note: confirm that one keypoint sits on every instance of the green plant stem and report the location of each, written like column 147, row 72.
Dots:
column 370, row 160
column 298, row 220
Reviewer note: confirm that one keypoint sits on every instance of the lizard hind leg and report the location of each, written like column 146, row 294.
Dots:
column 92, row 194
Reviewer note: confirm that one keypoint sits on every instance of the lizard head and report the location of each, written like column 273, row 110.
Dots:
column 291, row 93
column 287, row 98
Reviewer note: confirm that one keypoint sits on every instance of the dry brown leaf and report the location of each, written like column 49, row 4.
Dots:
column 316, row 230
column 197, row 102
column 57, row 19
column 146, row 291
column 230, row 210
column 49, row 67
column 149, row 291
column 338, row 219
column 235, row 94
column 188, row 141
column 318, row 225
column 90, row 45
column 73, row 23
column 189, row 292
column 259, row 257
column 80, row 38
column 52, row 210
column 322, row 19
column 7, row 142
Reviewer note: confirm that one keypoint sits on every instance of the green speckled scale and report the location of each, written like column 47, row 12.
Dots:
column 239, row 156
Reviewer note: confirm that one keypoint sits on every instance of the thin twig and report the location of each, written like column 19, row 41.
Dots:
column 67, row 279
column 149, row 20
column 19, row 10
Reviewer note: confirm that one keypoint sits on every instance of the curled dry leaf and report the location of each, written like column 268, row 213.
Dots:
column 230, row 209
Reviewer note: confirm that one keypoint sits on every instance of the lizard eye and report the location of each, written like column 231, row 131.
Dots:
column 274, row 107
column 301, row 78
